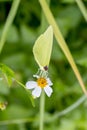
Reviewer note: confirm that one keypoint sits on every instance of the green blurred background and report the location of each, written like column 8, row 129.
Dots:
column 17, row 54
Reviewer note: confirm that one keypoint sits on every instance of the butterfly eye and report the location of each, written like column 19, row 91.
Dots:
column 45, row 68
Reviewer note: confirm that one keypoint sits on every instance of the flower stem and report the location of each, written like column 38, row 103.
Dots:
column 8, row 23
column 42, row 104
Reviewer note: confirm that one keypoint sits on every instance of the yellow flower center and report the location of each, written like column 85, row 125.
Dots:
column 42, row 82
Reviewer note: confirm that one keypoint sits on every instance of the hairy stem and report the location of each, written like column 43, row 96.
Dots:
column 42, row 103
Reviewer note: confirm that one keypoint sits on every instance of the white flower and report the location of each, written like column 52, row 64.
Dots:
column 41, row 83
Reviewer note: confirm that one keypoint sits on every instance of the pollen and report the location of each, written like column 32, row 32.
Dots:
column 42, row 82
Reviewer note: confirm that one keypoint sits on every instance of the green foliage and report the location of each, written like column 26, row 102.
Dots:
column 9, row 74
column 17, row 55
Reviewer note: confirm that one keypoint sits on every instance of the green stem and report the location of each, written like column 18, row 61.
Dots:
column 61, row 41
column 82, row 8
column 22, row 85
column 8, row 23
column 42, row 104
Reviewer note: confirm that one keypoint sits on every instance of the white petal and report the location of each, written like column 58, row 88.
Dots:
column 36, row 92
column 31, row 84
column 49, row 82
column 48, row 90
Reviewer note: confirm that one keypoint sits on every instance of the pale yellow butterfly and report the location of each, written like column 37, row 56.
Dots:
column 43, row 47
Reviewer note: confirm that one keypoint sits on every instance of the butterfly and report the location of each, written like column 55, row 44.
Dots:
column 43, row 47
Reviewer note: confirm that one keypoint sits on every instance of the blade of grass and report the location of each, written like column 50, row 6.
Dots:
column 8, row 23
column 82, row 8
column 61, row 41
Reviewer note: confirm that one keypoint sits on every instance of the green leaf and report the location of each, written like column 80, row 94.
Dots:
column 43, row 48
column 8, row 73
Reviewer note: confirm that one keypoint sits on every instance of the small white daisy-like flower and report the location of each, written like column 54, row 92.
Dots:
column 41, row 83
